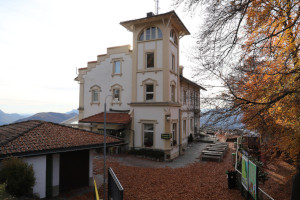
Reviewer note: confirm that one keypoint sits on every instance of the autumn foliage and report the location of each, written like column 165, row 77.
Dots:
column 269, row 89
column 252, row 48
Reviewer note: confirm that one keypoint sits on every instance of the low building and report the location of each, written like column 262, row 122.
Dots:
column 62, row 157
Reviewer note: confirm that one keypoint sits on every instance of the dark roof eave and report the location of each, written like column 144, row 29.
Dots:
column 191, row 82
column 62, row 150
column 93, row 122
column 128, row 23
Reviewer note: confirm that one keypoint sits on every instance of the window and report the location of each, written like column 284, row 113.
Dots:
column 149, row 86
column 150, row 60
column 95, row 95
column 159, row 33
column 117, row 67
column 191, row 124
column 173, row 37
column 116, row 94
column 148, row 135
column 116, row 90
column 173, row 93
column 149, row 92
column 173, row 62
column 184, row 127
column 192, row 98
column 184, row 97
column 150, row 33
column 141, row 38
column 174, row 134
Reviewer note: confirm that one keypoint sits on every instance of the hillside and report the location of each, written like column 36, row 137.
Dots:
column 6, row 118
column 49, row 116
column 213, row 119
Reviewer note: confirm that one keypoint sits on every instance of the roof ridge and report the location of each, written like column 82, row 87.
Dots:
column 73, row 128
column 26, row 131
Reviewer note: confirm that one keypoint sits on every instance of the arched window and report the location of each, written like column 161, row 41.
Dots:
column 95, row 94
column 149, row 89
column 173, row 36
column 116, row 91
column 150, row 33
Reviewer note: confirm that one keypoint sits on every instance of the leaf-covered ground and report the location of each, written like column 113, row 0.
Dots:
column 200, row 180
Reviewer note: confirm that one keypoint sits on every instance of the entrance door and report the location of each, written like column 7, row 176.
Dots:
column 74, row 170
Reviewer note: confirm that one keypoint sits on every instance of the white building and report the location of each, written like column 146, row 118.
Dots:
column 152, row 105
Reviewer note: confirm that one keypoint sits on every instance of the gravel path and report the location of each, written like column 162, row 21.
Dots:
column 191, row 155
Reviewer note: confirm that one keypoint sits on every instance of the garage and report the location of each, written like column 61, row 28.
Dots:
column 74, row 170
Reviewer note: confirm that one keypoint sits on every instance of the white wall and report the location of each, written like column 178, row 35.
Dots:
column 149, row 113
column 101, row 75
column 157, row 76
column 39, row 167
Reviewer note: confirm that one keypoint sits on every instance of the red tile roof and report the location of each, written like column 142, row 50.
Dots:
column 111, row 118
column 35, row 137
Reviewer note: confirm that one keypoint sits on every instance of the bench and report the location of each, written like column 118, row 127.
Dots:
column 207, row 157
column 213, row 153
column 219, row 146
column 218, row 149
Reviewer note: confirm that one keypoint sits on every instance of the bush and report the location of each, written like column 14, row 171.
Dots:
column 151, row 153
column 3, row 194
column 18, row 176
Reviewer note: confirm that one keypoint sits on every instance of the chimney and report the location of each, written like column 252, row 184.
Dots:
column 150, row 14
column 181, row 70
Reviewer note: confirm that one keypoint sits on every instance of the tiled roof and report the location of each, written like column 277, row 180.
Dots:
column 111, row 118
column 34, row 137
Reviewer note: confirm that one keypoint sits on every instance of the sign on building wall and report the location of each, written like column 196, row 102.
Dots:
column 253, row 180
column 245, row 172
column 166, row 136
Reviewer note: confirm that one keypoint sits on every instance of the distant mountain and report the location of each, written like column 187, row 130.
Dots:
column 73, row 111
column 219, row 121
column 49, row 117
column 6, row 118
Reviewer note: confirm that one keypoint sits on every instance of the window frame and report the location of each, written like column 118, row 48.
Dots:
column 149, row 93
column 184, row 127
column 146, row 59
column 114, row 61
column 174, row 134
column 149, row 81
column 148, row 36
column 173, row 37
column 184, row 97
column 147, row 132
column 95, row 90
column 116, row 87
column 173, row 63
column 173, row 91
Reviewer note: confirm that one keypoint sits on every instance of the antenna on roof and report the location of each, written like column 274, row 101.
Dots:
column 156, row 6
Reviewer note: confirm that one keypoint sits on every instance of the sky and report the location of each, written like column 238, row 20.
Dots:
column 44, row 42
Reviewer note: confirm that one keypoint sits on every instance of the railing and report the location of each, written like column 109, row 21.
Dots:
column 115, row 189
column 240, row 174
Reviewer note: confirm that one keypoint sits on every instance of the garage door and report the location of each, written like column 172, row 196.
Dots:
column 74, row 170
